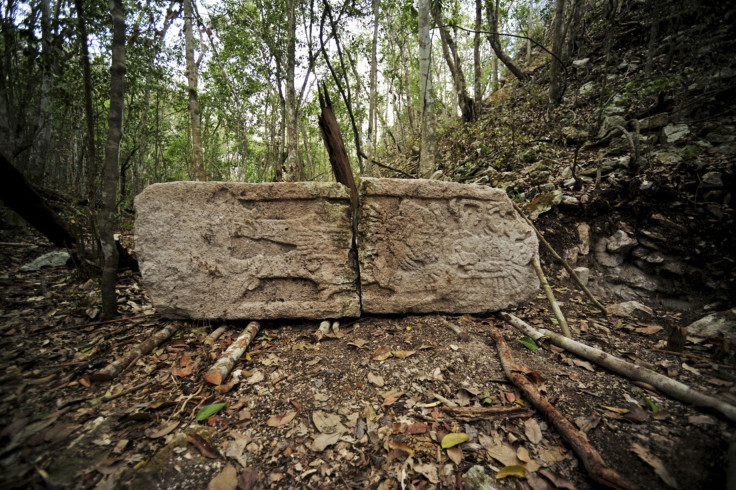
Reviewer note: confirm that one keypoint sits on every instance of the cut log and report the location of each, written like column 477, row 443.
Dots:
column 324, row 329
column 592, row 461
column 664, row 384
column 145, row 347
column 219, row 371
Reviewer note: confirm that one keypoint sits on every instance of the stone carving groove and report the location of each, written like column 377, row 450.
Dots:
column 427, row 246
column 250, row 251
column 214, row 250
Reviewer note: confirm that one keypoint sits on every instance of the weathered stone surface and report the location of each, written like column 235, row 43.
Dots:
column 250, row 251
column 720, row 324
column 427, row 246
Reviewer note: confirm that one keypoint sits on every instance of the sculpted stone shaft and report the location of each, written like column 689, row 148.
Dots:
column 428, row 246
column 212, row 250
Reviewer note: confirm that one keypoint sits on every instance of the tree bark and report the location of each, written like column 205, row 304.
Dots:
column 426, row 97
column 192, row 82
column 492, row 14
column 43, row 122
column 88, row 112
column 218, row 373
column 478, row 86
column 106, row 216
column 555, row 85
column 454, row 64
column 292, row 159
column 373, row 95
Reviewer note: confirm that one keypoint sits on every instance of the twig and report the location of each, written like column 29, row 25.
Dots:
column 145, row 347
column 471, row 414
column 324, row 329
column 668, row 386
column 551, row 297
column 459, row 331
column 211, row 338
column 592, row 461
column 217, row 373
column 567, row 267
column 129, row 390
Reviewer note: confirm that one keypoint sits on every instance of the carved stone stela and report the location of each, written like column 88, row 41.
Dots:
column 212, row 250
column 428, row 246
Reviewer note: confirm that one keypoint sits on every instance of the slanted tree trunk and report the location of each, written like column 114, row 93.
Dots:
column 192, row 82
column 555, row 85
column 336, row 147
column 493, row 38
column 18, row 195
column 426, row 97
column 106, row 216
column 373, row 95
column 454, row 64
column 478, row 86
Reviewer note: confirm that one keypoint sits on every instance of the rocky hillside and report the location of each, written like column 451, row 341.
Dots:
column 630, row 177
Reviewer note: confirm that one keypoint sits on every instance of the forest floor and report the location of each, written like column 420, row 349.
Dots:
column 367, row 407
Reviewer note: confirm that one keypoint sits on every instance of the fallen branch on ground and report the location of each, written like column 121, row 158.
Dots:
column 551, row 297
column 592, row 461
column 137, row 387
column 459, row 331
column 668, row 386
column 217, row 373
column 472, row 414
column 324, row 329
column 145, row 347
column 211, row 338
column 567, row 267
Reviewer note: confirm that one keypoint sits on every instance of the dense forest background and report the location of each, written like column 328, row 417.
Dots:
column 97, row 101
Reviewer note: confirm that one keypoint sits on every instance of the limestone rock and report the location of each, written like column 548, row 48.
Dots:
column 583, row 274
column 604, row 258
column 620, row 242
column 543, row 203
column 583, row 230
column 720, row 324
column 57, row 258
column 427, row 246
column 630, row 309
column 654, row 122
column 587, row 89
column 675, row 132
column 712, row 179
column 247, row 251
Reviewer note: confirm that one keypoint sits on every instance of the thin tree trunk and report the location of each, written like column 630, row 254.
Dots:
column 88, row 112
column 449, row 51
column 197, row 157
column 477, row 85
column 42, row 142
column 292, row 159
column 493, row 38
column 106, row 217
column 373, row 95
column 555, row 85
column 529, row 32
column 426, row 98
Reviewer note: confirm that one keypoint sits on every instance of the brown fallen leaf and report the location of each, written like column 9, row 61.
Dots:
column 649, row 329
column 391, row 397
column 203, row 446
column 381, row 354
column 328, row 423
column 418, row 428
column 376, row 380
column 281, row 420
column 428, row 471
column 392, row 444
column 323, row 441
column 656, row 463
column 227, row 479
column 455, row 454
column 402, row 354
column 583, row 364
column 358, row 343
column 533, row 431
column 557, row 481
column 248, row 479
column 163, row 431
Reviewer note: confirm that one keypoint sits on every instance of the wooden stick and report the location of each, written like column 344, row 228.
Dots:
column 145, row 347
column 324, row 329
column 137, row 387
column 459, row 331
column 472, row 414
column 592, row 461
column 567, row 267
column 668, row 386
column 217, row 373
column 551, row 297
column 211, row 338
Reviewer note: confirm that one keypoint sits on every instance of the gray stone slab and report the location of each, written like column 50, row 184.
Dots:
column 427, row 246
column 214, row 250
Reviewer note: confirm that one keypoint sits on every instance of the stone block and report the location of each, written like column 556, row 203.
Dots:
column 427, row 246
column 214, row 250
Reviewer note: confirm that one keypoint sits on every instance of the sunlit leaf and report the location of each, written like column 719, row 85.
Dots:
column 453, row 439
column 210, row 410
column 511, row 470
column 652, row 406
column 615, row 409
column 529, row 343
